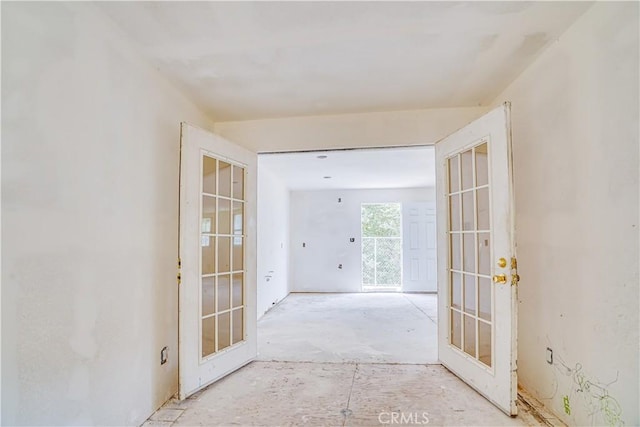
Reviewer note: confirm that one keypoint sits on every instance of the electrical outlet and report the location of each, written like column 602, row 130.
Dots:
column 340, row 266
column 549, row 356
column 164, row 355
column 353, row 239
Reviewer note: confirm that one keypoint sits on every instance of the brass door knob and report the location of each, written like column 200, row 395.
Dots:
column 500, row 278
column 502, row 263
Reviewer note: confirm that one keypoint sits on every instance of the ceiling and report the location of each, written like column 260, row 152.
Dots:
column 251, row 60
column 353, row 169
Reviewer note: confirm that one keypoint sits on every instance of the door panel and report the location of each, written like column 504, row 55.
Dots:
column 432, row 269
column 477, row 315
column 217, row 293
column 419, row 246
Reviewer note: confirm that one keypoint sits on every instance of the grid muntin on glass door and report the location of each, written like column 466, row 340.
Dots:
column 222, row 273
column 469, row 270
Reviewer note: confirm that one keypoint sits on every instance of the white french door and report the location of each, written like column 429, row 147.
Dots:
column 217, row 291
column 477, row 276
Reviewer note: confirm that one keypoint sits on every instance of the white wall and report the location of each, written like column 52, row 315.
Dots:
column 273, row 239
column 89, row 194
column 575, row 137
column 349, row 130
column 325, row 226
column 90, row 154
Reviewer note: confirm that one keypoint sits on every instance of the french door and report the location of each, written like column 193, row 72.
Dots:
column 477, row 267
column 217, row 290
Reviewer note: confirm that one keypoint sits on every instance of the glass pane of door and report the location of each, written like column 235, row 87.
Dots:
column 469, row 231
column 222, row 214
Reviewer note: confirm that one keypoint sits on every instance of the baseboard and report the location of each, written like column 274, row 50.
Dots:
column 538, row 410
column 421, row 292
column 274, row 305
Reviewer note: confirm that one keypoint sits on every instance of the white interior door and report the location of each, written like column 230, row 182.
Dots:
column 419, row 247
column 476, row 257
column 217, row 293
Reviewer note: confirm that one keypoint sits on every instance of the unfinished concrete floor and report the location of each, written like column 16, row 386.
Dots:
column 367, row 328
column 336, row 360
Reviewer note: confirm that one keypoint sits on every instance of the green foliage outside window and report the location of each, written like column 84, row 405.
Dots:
column 381, row 220
column 381, row 244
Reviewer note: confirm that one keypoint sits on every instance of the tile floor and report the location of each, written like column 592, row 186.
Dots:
column 341, row 360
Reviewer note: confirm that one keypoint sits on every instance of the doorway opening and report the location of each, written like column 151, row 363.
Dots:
column 346, row 245
column 317, row 221
column 381, row 246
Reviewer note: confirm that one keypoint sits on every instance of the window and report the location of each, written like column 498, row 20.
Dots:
column 381, row 246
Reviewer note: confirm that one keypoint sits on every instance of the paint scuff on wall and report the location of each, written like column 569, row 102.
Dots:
column 590, row 394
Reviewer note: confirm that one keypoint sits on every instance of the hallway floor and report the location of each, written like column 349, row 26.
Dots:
column 342, row 359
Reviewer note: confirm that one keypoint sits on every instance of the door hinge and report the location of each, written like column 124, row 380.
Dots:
column 515, row 278
column 179, row 277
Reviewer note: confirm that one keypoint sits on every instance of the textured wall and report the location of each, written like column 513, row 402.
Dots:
column 325, row 225
column 273, row 239
column 392, row 128
column 90, row 156
column 575, row 143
